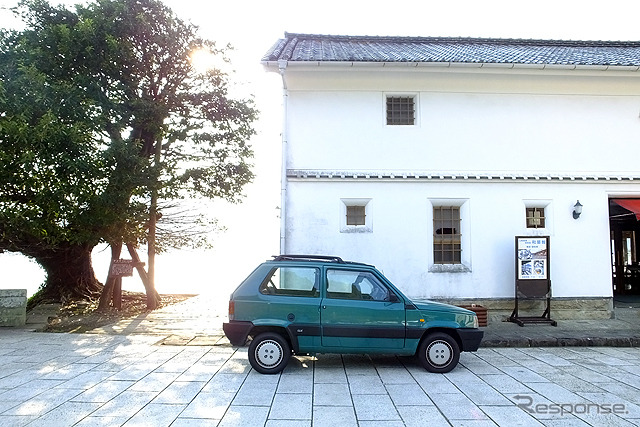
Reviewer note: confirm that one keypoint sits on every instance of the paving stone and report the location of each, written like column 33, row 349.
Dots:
column 194, row 422
column 28, row 390
column 156, row 415
column 43, row 403
column 296, row 384
column 107, row 421
column 103, row 392
column 504, row 383
column 457, row 407
column 245, row 416
column 408, row 395
column 179, row 392
column 289, row 423
column 330, row 375
column 155, row 381
column 257, row 392
column 208, row 406
column 395, row 375
column 419, row 416
column 67, row 414
column 434, row 384
column 229, row 383
column 332, row 395
column 381, row 424
column 524, row 375
column 291, row 407
column 366, row 384
column 326, row 416
column 126, row 404
column 16, row 420
column 374, row 407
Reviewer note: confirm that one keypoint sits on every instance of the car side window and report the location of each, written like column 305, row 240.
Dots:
column 358, row 285
column 291, row 281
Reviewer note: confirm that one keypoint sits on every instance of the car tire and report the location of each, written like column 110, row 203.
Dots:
column 269, row 353
column 439, row 352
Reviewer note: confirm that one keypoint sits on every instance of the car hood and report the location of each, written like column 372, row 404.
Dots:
column 425, row 304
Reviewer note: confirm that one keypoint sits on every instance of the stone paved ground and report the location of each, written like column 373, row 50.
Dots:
column 134, row 380
column 172, row 367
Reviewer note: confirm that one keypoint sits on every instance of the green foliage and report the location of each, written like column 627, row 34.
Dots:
column 86, row 99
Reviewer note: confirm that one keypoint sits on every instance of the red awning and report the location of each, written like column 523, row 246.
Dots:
column 632, row 205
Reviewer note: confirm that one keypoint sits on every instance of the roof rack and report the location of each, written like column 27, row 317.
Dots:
column 308, row 258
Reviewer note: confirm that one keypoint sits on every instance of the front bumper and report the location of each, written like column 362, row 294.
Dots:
column 470, row 338
column 237, row 331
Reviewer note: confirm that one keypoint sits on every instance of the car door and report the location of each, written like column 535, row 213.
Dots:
column 292, row 295
column 359, row 311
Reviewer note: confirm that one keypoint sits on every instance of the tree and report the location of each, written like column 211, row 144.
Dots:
column 101, row 108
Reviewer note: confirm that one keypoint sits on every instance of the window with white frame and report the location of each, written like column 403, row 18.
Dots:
column 538, row 215
column 401, row 110
column 450, row 245
column 355, row 216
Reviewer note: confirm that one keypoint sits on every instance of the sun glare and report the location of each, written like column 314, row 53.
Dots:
column 203, row 60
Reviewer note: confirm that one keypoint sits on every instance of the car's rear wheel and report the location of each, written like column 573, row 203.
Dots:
column 269, row 353
column 439, row 352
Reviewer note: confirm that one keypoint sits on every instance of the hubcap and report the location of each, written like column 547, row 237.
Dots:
column 439, row 353
column 268, row 353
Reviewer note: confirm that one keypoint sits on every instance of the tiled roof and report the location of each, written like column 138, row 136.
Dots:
column 328, row 48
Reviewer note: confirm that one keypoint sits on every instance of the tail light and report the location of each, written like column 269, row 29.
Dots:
column 232, row 309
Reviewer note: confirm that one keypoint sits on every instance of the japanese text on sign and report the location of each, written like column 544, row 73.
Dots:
column 532, row 258
column 121, row 268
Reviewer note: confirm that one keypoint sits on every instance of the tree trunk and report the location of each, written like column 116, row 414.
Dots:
column 153, row 298
column 111, row 284
column 70, row 274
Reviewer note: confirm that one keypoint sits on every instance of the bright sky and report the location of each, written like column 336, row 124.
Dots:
column 252, row 27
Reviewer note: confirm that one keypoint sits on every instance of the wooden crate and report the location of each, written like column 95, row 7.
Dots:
column 480, row 311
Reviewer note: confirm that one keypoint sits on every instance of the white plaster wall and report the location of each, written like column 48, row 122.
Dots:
column 472, row 119
column 466, row 121
column 400, row 244
column 465, row 132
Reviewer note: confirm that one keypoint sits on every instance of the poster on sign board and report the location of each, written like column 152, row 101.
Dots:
column 533, row 258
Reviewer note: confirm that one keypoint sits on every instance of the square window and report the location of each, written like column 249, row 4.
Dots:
column 535, row 217
column 447, row 245
column 356, row 215
column 401, row 110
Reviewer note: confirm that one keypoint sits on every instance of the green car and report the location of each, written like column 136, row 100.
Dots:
column 301, row 304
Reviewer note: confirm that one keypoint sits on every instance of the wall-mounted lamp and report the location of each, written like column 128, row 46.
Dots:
column 577, row 210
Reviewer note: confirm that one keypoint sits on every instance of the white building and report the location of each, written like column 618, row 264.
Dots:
column 384, row 137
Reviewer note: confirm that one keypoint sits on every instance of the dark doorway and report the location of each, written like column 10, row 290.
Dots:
column 624, row 224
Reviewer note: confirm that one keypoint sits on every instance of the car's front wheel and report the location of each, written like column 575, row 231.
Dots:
column 439, row 353
column 269, row 353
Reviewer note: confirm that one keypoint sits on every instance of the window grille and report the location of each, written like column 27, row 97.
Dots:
column 447, row 248
column 535, row 218
column 400, row 110
column 356, row 215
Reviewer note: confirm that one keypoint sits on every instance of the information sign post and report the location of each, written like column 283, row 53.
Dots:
column 533, row 280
